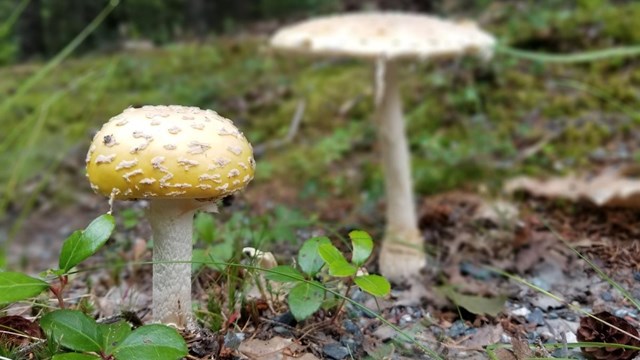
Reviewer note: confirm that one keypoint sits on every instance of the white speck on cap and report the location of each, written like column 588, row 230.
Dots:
column 148, row 164
column 390, row 35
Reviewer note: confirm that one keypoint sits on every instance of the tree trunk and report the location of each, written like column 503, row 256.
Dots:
column 30, row 31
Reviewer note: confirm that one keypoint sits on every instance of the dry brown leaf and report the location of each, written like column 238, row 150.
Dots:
column 277, row 348
column 612, row 187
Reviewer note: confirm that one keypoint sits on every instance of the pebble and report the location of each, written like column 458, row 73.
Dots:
column 232, row 340
column 405, row 319
column 457, row 329
column 523, row 311
column 536, row 317
column 606, row 296
column 636, row 275
column 467, row 268
column 624, row 312
column 541, row 283
column 350, row 343
column 335, row 351
column 286, row 319
column 282, row 330
column 351, row 327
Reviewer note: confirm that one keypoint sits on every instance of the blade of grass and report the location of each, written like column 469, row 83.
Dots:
column 493, row 347
column 13, row 18
column 557, row 298
column 34, row 134
column 625, row 293
column 17, row 131
column 587, row 56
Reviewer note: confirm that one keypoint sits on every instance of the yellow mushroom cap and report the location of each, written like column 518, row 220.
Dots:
column 169, row 152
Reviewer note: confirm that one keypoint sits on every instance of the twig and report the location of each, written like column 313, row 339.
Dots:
column 260, row 149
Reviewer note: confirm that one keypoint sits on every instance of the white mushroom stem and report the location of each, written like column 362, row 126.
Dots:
column 402, row 248
column 172, row 226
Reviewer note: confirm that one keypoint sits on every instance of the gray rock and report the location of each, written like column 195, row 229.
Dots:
column 335, row 351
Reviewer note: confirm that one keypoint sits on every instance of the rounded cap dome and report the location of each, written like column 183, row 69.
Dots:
column 169, row 152
column 386, row 35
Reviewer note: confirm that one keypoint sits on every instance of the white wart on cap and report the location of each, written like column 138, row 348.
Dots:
column 169, row 152
column 384, row 35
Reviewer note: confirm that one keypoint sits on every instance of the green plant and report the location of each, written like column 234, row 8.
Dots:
column 308, row 294
column 72, row 329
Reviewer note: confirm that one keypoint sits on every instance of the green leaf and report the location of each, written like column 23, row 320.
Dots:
column 308, row 258
column 75, row 356
column 113, row 334
column 284, row 273
column 338, row 265
column 304, row 299
column 362, row 246
column 73, row 330
column 375, row 285
column 82, row 244
column 15, row 286
column 158, row 342
column 475, row 304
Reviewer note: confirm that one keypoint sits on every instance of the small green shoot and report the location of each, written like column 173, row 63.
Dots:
column 307, row 294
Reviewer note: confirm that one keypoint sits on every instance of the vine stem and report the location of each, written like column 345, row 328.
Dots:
column 343, row 300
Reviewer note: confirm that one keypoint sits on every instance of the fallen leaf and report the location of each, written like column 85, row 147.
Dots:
column 277, row 348
column 612, row 187
column 478, row 305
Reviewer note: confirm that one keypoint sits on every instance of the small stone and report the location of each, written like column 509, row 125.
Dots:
column 350, row 343
column 335, row 351
column 286, row 319
column 405, row 319
column 232, row 340
column 480, row 273
column 606, row 296
column 282, row 330
column 621, row 313
column 351, row 327
column 523, row 311
column 457, row 329
column 636, row 275
column 536, row 317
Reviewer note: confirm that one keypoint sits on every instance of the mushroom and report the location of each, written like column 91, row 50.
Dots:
column 385, row 39
column 181, row 159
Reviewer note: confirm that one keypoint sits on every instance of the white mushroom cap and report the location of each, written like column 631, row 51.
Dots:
column 169, row 152
column 384, row 35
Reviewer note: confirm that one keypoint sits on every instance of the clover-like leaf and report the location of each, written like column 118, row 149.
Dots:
column 305, row 299
column 338, row 265
column 308, row 258
column 375, row 285
column 362, row 246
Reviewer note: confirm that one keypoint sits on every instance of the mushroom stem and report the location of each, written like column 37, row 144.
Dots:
column 172, row 228
column 402, row 249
